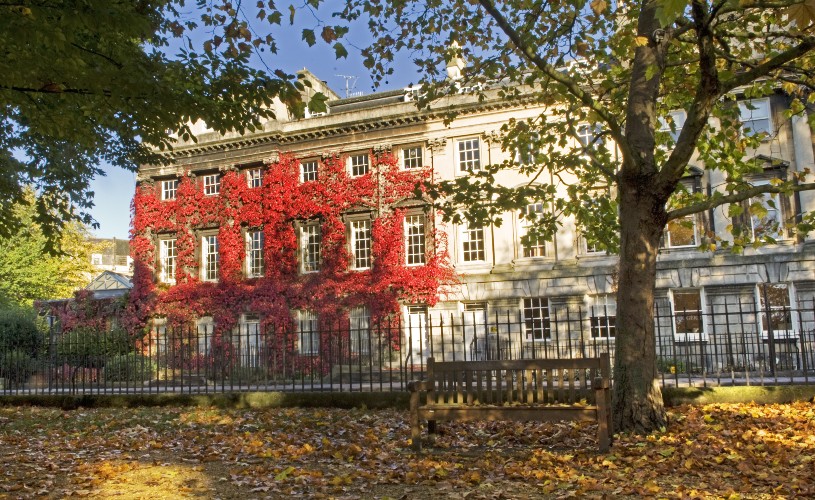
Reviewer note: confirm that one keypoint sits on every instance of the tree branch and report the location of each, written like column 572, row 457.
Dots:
column 745, row 194
column 549, row 70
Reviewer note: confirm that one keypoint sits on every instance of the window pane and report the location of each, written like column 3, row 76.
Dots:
column 311, row 240
column 775, row 300
column 361, row 243
column 688, row 311
column 412, row 157
column 535, row 247
column 308, row 171
column 469, row 155
column 536, row 319
column 254, row 177
column 209, row 253
column 681, row 232
column 308, row 333
column 169, row 189
column 255, row 255
column 755, row 116
column 212, row 184
column 360, row 319
column 168, row 259
column 472, row 245
column 415, row 239
column 359, row 165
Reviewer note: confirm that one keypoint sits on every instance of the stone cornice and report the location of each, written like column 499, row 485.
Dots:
column 390, row 120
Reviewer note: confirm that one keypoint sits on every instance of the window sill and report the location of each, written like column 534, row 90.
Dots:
column 780, row 335
column 689, row 338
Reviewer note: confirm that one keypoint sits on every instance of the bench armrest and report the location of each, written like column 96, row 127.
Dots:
column 600, row 383
column 419, row 386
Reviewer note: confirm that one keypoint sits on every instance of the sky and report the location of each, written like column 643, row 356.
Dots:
column 114, row 191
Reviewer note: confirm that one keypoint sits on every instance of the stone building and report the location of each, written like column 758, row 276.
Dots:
column 715, row 309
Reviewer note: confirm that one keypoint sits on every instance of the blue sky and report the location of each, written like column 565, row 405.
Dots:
column 114, row 191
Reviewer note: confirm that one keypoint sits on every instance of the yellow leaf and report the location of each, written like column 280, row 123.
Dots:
column 641, row 41
column 599, row 6
column 689, row 463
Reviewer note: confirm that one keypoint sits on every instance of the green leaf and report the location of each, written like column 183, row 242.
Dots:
column 309, row 37
column 339, row 51
column 669, row 10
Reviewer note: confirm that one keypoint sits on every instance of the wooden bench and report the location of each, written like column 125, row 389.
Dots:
column 518, row 390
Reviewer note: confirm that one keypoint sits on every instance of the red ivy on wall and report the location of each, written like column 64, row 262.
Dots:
column 275, row 207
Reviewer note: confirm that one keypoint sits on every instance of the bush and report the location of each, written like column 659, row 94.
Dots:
column 130, row 367
column 90, row 348
column 16, row 366
column 19, row 332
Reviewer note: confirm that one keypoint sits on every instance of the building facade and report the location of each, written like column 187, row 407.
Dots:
column 316, row 220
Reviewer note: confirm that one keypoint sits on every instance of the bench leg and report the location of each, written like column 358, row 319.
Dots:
column 431, row 427
column 603, row 420
column 415, row 425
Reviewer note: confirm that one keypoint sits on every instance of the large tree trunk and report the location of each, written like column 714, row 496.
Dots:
column 637, row 398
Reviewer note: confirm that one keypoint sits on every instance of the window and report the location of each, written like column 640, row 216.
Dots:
column 688, row 316
column 774, row 302
column 361, row 243
column 681, row 233
column 469, row 155
column 254, row 177
column 590, row 247
column 254, row 253
column 308, row 333
column 169, row 189
column 755, row 117
column 537, row 325
column 472, row 244
column 603, row 318
column 249, row 342
column 766, row 217
column 412, row 157
column 206, row 328
column 360, row 165
column 525, row 154
column 360, row 322
column 209, row 258
column 308, row 171
column 532, row 247
column 415, row 240
column 212, row 184
column 310, row 242
column 672, row 124
column 167, row 257
column 588, row 135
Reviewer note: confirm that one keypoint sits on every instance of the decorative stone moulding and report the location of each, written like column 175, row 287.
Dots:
column 438, row 145
column 272, row 157
column 381, row 149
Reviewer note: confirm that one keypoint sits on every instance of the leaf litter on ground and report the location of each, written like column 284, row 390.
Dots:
column 727, row 451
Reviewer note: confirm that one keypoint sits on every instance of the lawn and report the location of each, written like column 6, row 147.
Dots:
column 713, row 451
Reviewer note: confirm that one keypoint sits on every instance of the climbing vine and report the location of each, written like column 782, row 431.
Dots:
column 276, row 207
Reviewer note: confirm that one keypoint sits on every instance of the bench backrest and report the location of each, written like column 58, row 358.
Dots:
column 525, row 381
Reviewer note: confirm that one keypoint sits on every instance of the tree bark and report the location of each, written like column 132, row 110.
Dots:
column 637, row 398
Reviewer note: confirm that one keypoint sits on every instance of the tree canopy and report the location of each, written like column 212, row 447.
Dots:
column 28, row 272
column 112, row 81
column 610, row 78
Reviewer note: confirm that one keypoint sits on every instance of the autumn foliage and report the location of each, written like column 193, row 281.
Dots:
column 275, row 207
column 728, row 451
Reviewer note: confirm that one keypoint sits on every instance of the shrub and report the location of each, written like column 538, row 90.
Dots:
column 19, row 332
column 130, row 367
column 90, row 348
column 16, row 366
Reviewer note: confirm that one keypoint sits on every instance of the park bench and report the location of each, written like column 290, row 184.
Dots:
column 518, row 390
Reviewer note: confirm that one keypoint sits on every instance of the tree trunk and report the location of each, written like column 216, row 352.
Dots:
column 637, row 398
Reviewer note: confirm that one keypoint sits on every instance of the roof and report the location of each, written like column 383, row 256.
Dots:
column 109, row 284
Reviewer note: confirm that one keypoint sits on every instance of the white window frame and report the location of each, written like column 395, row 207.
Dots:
column 473, row 244
column 537, row 328
column 254, row 177
column 310, row 247
column 678, row 118
column 249, row 341
column 667, row 239
column 412, row 157
column 415, row 232
column 205, row 326
column 701, row 335
column 309, row 171
column 361, row 244
column 778, row 210
column 761, row 112
column 781, row 309
column 212, row 184
column 255, row 265
column 169, row 189
column 168, row 260
column 210, row 257
column 308, row 333
column 602, row 318
column 468, row 150
column 357, row 167
column 587, row 134
column 359, row 319
column 538, row 248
